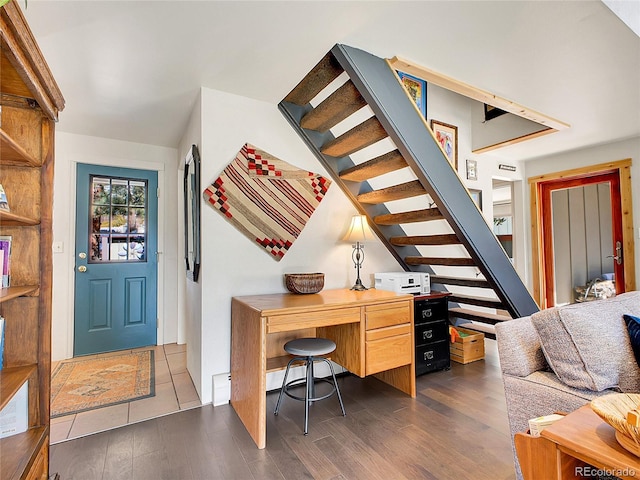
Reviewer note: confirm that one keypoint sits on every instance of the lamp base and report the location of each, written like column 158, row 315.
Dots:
column 359, row 286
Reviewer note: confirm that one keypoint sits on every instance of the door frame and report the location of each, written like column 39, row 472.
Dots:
column 538, row 265
column 122, row 163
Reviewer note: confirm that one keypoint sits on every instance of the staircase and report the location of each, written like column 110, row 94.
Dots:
column 413, row 198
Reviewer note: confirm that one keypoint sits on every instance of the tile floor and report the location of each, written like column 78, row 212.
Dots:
column 174, row 392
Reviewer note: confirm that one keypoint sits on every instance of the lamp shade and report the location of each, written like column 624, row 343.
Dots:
column 359, row 230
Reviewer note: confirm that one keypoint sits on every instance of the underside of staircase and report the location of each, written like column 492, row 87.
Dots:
column 348, row 109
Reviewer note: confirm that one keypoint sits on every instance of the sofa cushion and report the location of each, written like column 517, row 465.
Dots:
column 633, row 327
column 587, row 344
column 519, row 347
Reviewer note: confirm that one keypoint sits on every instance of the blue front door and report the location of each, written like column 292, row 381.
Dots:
column 115, row 259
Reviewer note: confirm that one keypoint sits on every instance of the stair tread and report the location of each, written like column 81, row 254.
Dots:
column 467, row 313
column 488, row 330
column 325, row 72
column 446, row 239
column 389, row 162
column 464, row 282
column 335, row 108
column 361, row 136
column 413, row 216
column 396, row 192
column 451, row 262
column 441, row 182
column 483, row 327
column 473, row 300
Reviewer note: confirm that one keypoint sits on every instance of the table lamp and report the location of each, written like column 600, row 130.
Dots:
column 358, row 233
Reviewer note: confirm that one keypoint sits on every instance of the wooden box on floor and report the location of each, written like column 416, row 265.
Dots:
column 468, row 347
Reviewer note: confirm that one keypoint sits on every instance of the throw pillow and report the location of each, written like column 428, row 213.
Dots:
column 633, row 327
column 587, row 344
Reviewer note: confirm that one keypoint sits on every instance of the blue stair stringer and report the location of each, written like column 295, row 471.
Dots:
column 378, row 85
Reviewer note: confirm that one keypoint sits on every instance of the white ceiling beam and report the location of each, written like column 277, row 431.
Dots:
column 475, row 93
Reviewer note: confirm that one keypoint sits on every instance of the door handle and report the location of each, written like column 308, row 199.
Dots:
column 82, row 269
column 618, row 256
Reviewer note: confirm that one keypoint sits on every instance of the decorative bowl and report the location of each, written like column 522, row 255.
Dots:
column 613, row 409
column 304, row 282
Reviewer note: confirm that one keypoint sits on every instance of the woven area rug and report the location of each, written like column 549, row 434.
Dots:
column 85, row 384
column 266, row 199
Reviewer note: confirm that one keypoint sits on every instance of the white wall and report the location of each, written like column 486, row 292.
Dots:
column 73, row 149
column 591, row 156
column 501, row 129
column 232, row 264
column 189, row 292
column 454, row 109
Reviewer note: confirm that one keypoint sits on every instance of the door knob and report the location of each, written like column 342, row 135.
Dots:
column 82, row 269
column 618, row 256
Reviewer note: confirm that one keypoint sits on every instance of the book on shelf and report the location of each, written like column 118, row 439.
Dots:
column 1, row 341
column 5, row 246
column 4, row 203
column 15, row 414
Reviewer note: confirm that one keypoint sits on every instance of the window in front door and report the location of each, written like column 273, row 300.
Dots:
column 118, row 225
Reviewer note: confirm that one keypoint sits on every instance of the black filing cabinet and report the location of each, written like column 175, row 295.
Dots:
column 431, row 319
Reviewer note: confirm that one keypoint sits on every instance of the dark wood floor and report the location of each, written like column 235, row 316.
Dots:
column 455, row 429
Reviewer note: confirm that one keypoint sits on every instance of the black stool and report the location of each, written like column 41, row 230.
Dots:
column 307, row 350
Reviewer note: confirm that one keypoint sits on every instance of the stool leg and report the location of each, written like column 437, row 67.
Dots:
column 312, row 389
column 335, row 384
column 284, row 384
column 307, row 393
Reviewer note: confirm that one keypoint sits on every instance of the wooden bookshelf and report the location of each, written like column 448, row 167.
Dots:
column 10, row 293
column 30, row 102
column 11, row 153
column 11, row 379
column 9, row 219
column 18, row 449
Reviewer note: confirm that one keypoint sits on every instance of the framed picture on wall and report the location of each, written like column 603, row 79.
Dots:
column 476, row 196
column 447, row 136
column 472, row 170
column 417, row 90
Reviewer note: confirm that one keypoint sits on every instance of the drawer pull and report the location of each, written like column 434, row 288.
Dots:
column 427, row 334
column 428, row 355
column 427, row 313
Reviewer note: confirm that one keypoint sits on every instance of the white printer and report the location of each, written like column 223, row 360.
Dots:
column 404, row 282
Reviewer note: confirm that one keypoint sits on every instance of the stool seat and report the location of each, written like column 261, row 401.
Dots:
column 304, row 347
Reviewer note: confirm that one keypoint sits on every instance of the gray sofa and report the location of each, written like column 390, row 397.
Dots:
column 561, row 358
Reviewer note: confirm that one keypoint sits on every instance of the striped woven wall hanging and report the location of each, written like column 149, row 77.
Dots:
column 266, row 199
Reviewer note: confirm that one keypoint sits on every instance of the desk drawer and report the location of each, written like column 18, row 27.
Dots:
column 432, row 356
column 385, row 332
column 430, row 310
column 432, row 332
column 387, row 353
column 386, row 315
column 319, row 318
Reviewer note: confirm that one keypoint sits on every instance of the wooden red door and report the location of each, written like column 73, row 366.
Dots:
column 611, row 178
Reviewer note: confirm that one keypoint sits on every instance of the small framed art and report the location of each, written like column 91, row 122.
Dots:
column 447, row 137
column 476, row 196
column 417, row 89
column 472, row 170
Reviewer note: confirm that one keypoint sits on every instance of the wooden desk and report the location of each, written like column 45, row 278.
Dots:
column 373, row 332
column 565, row 448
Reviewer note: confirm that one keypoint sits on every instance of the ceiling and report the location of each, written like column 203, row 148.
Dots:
column 131, row 70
